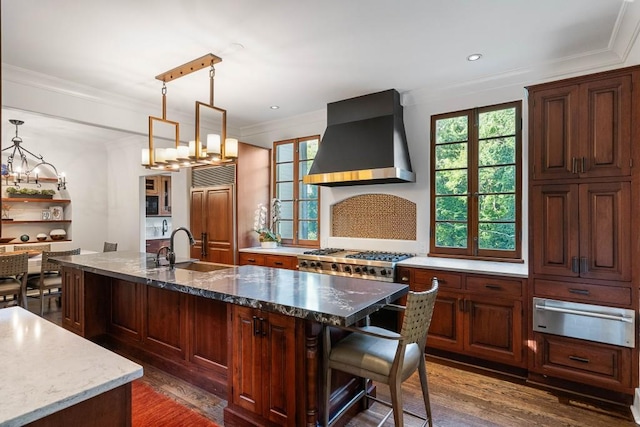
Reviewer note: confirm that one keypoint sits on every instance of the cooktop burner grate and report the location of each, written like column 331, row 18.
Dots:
column 380, row 256
column 325, row 251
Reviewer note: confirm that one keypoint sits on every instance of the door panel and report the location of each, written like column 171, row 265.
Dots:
column 247, row 358
column 126, row 315
column 605, row 122
column 209, row 335
column 554, row 218
column 494, row 328
column 219, row 225
column 165, row 321
column 605, row 234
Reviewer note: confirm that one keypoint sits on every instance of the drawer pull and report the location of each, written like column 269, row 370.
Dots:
column 404, row 279
column 579, row 359
column 278, row 263
column 251, row 259
column 493, row 287
column 578, row 291
column 256, row 325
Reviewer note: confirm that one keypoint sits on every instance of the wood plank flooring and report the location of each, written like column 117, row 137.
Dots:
column 459, row 398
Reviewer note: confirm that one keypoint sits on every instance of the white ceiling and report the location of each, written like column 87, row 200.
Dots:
column 301, row 54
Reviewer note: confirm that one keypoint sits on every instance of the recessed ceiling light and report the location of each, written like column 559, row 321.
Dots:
column 274, row 107
column 474, row 57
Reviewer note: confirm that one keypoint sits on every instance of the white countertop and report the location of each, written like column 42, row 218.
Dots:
column 47, row 368
column 510, row 269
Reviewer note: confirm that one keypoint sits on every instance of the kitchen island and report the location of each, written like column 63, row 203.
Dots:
column 55, row 378
column 249, row 334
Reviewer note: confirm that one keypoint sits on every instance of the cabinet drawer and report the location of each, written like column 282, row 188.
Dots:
column 251, row 259
column 492, row 286
column 422, row 279
column 599, row 364
column 599, row 294
column 279, row 261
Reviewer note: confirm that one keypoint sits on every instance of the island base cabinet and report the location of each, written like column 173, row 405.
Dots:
column 84, row 311
column 263, row 364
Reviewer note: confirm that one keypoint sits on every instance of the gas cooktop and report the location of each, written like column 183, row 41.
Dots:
column 375, row 265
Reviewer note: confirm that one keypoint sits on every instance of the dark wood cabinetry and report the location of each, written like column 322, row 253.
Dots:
column 269, row 260
column 583, row 178
column 152, row 246
column 165, row 195
column 581, row 129
column 263, row 356
column 212, row 224
column 223, row 201
column 475, row 315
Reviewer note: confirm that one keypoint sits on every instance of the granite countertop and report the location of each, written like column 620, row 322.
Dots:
column 280, row 250
column 324, row 298
column 47, row 368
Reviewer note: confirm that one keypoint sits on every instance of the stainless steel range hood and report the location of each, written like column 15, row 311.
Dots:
column 365, row 143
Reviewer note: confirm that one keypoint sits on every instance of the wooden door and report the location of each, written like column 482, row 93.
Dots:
column 605, row 231
column 165, row 195
column 553, row 132
column 278, row 370
column 165, row 321
column 493, row 328
column 219, row 225
column 605, row 127
column 446, row 329
column 197, row 223
column 72, row 299
column 555, row 229
column 209, row 333
column 126, row 310
column 247, row 359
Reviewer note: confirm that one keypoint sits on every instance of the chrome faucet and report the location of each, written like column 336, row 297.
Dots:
column 171, row 255
column 160, row 249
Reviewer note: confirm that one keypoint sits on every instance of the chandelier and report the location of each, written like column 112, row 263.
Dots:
column 22, row 172
column 210, row 146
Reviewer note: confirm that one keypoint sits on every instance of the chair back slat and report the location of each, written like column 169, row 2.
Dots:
column 417, row 315
column 11, row 265
column 110, row 247
column 49, row 266
column 39, row 248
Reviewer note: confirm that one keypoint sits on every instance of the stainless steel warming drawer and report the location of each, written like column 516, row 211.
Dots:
column 585, row 321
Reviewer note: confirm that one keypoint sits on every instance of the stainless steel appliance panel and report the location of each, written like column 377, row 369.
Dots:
column 603, row 324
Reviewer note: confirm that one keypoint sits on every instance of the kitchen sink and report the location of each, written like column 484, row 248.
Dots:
column 202, row 266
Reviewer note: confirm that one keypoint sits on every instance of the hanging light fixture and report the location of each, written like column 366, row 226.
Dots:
column 210, row 145
column 27, row 171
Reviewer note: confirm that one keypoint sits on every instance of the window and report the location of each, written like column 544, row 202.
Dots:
column 476, row 182
column 299, row 212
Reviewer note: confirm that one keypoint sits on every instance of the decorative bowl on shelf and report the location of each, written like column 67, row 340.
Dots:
column 6, row 239
column 41, row 237
column 58, row 234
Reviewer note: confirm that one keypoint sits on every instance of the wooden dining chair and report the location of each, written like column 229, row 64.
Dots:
column 384, row 356
column 110, row 247
column 13, row 276
column 49, row 282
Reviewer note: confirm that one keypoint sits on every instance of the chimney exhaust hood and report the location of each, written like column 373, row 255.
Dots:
column 364, row 143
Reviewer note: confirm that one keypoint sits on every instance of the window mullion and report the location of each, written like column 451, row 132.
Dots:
column 472, row 171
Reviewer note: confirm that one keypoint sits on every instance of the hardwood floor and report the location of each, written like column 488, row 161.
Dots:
column 459, row 398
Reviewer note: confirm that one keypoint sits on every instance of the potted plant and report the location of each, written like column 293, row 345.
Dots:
column 267, row 234
column 30, row 193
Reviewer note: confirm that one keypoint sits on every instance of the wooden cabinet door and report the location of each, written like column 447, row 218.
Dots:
column 212, row 224
column 209, row 333
column 165, row 195
column 72, row 299
column 165, row 321
column 278, row 369
column 247, row 359
column 605, row 127
column 446, row 329
column 605, row 231
column 554, row 132
column 493, row 328
column 126, row 310
column 555, row 229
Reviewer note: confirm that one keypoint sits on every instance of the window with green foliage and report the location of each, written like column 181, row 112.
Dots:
column 476, row 182
column 299, row 222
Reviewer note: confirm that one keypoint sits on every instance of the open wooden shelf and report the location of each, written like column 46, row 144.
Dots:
column 34, row 221
column 30, row 200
